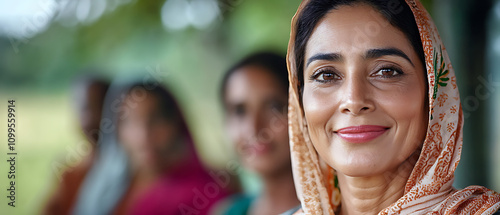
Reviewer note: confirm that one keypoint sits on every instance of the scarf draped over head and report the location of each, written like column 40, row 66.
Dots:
column 429, row 188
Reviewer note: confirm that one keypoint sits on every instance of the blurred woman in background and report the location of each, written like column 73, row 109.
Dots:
column 88, row 97
column 254, row 94
column 152, row 167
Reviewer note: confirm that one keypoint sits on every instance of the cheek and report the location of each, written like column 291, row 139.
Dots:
column 407, row 108
column 128, row 137
column 401, row 107
column 319, row 106
column 280, row 129
column 282, row 136
column 234, row 130
column 161, row 135
column 278, row 126
column 406, row 105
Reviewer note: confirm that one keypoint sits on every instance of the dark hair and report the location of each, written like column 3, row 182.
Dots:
column 167, row 103
column 397, row 12
column 274, row 63
column 89, row 80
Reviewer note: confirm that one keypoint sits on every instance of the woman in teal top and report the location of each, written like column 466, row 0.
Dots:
column 255, row 95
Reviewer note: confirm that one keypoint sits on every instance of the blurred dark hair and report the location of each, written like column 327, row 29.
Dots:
column 397, row 12
column 88, row 80
column 166, row 101
column 273, row 63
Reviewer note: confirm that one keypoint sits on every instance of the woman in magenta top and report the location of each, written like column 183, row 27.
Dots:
column 162, row 172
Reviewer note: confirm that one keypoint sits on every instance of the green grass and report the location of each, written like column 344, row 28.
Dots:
column 46, row 129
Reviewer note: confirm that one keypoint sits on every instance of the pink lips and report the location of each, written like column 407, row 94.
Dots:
column 361, row 134
column 259, row 148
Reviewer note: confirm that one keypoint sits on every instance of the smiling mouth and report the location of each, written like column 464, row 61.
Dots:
column 361, row 134
column 258, row 148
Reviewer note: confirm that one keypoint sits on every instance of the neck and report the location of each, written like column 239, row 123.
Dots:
column 278, row 194
column 370, row 195
column 146, row 173
column 162, row 163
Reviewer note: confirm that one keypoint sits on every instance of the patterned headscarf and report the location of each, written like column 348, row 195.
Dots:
column 429, row 188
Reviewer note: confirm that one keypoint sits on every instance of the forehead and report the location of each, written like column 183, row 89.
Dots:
column 353, row 29
column 140, row 99
column 252, row 82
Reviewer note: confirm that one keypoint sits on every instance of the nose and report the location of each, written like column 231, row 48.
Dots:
column 144, row 134
column 254, row 124
column 355, row 97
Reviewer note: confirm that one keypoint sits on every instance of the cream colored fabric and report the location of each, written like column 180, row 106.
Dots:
column 429, row 189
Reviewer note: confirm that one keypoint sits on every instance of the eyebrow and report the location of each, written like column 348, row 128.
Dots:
column 370, row 54
column 376, row 53
column 325, row 56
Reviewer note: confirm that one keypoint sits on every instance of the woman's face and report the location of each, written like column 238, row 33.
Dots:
column 143, row 130
column 256, row 119
column 364, row 92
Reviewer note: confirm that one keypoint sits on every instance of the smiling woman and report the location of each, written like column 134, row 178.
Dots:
column 374, row 112
column 254, row 95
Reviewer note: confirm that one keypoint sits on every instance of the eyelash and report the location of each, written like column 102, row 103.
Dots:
column 317, row 74
column 314, row 77
column 391, row 68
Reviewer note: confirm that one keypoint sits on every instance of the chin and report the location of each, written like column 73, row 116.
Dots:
column 360, row 160
column 360, row 164
column 259, row 167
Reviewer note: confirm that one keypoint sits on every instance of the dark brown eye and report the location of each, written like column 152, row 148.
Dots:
column 387, row 73
column 328, row 76
column 325, row 76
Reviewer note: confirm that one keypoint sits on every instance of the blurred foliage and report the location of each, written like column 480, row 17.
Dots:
column 130, row 41
column 133, row 36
